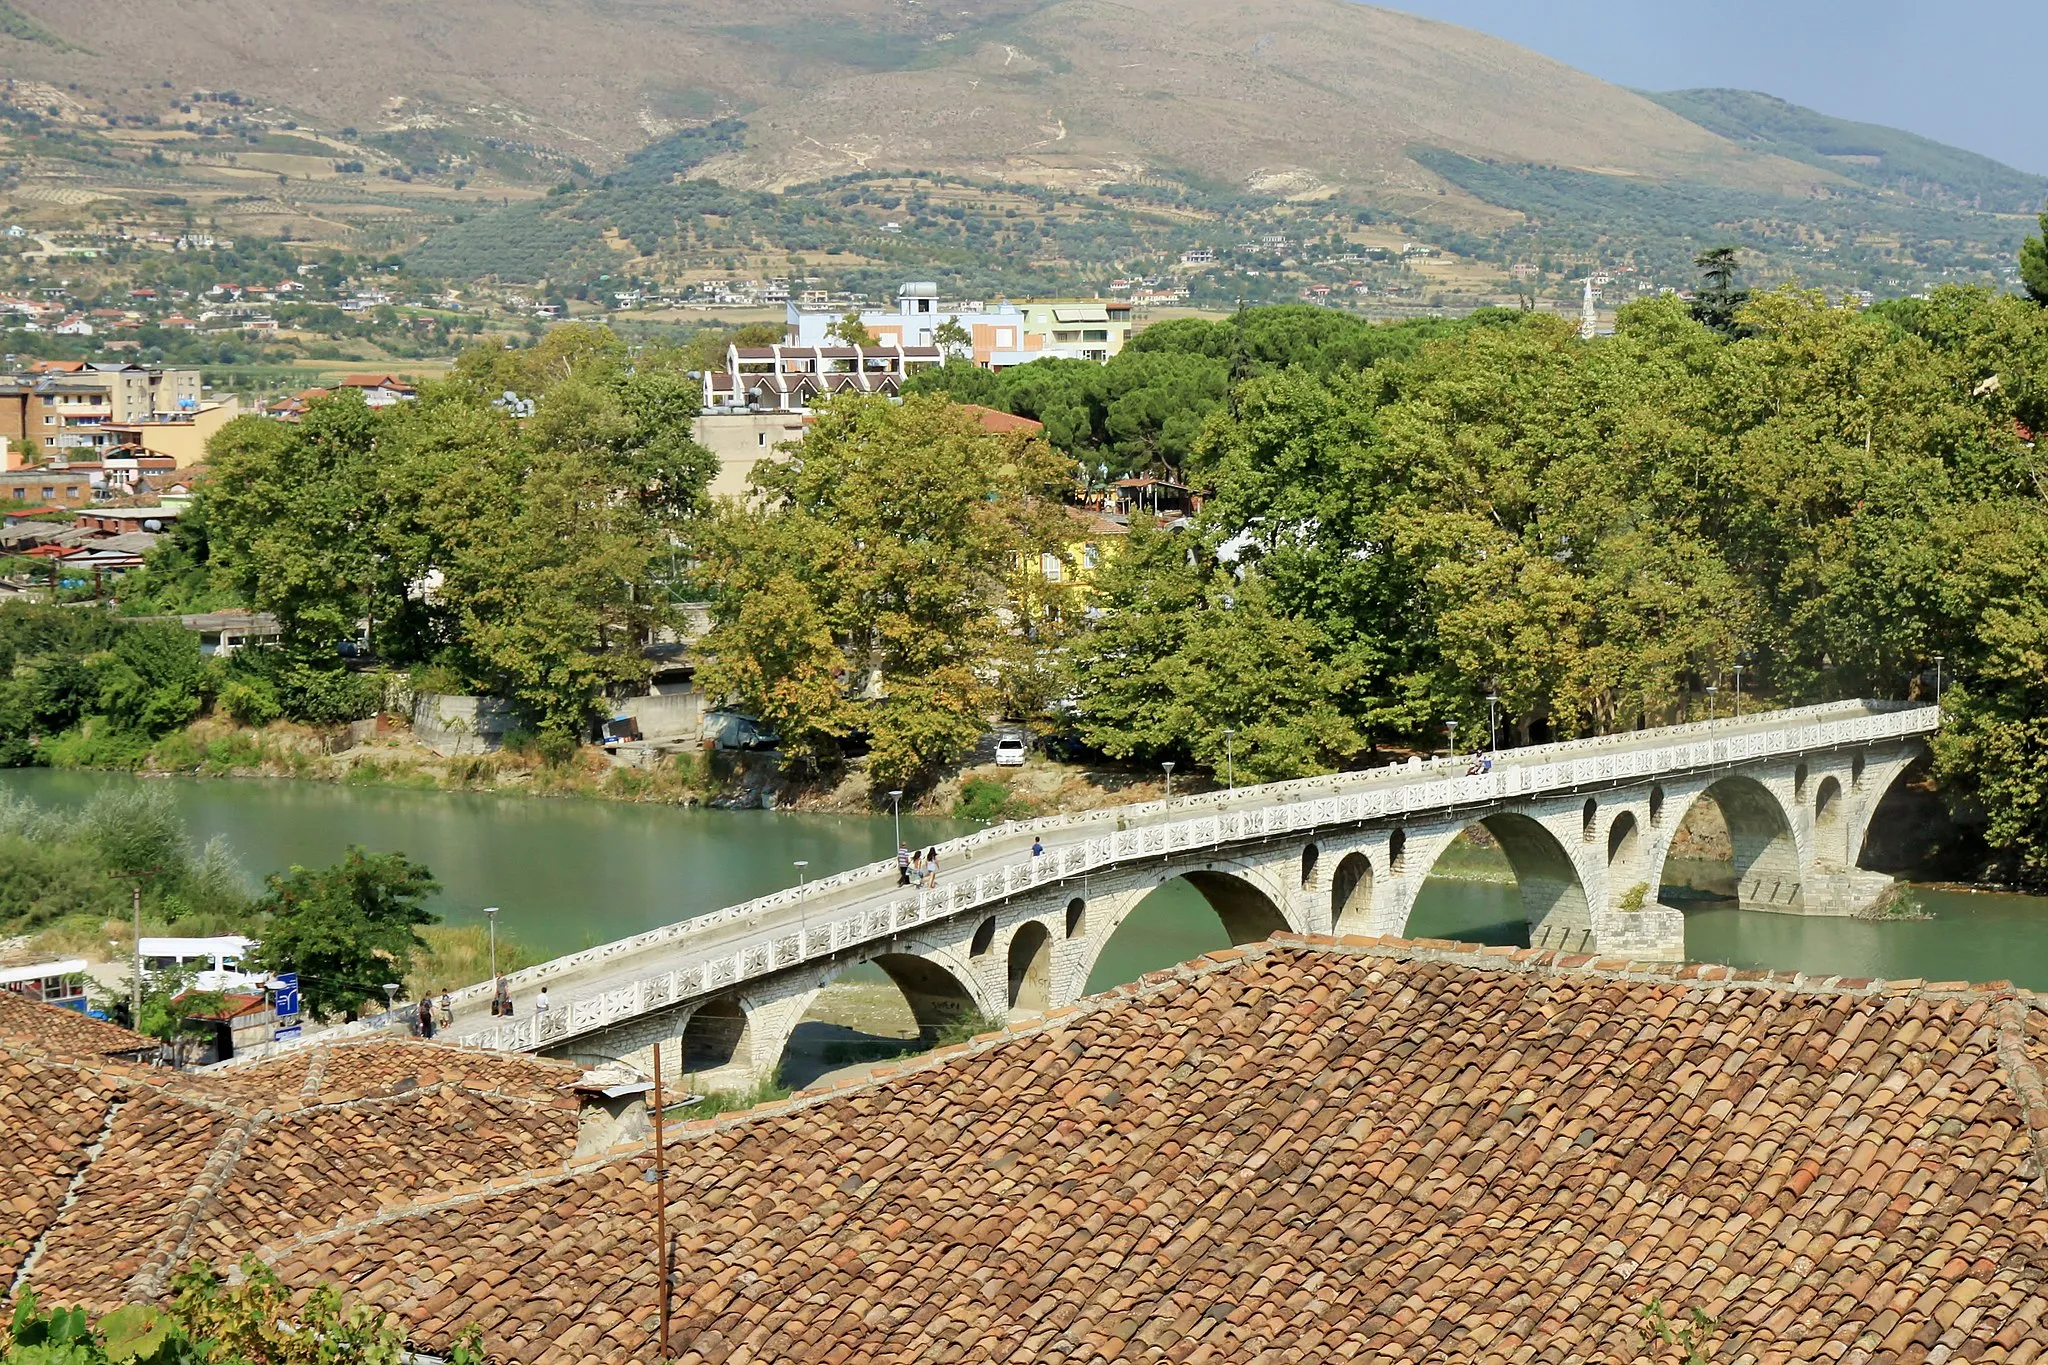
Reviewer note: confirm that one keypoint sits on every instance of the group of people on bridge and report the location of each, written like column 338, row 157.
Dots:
column 917, row 869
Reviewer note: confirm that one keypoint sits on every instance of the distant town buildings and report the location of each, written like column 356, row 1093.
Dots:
column 996, row 338
column 64, row 412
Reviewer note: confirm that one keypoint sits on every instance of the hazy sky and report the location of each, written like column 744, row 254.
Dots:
column 1964, row 71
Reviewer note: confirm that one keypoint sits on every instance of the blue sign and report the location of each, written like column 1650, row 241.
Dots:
column 285, row 1035
column 287, row 995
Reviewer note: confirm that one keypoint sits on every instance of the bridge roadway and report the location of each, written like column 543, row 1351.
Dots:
column 1387, row 826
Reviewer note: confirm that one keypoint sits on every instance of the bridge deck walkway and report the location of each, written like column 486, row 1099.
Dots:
column 875, row 886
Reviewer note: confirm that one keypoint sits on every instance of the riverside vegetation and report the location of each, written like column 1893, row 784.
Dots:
column 1400, row 523
column 65, row 885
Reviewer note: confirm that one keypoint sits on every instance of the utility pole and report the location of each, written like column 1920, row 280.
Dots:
column 135, row 985
column 660, row 1207
column 134, row 880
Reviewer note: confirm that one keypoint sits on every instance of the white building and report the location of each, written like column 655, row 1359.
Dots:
column 996, row 338
column 217, row 961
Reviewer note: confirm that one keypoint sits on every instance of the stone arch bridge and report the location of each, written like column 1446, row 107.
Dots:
column 1587, row 826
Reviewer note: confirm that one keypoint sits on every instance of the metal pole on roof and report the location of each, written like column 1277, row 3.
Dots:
column 660, row 1207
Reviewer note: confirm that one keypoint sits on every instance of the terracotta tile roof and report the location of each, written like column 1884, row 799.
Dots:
column 1295, row 1152
column 53, row 1118
column 385, row 1066
column 117, row 1174
column 123, row 1208
column 66, row 1033
column 1301, row 1150
column 306, row 1174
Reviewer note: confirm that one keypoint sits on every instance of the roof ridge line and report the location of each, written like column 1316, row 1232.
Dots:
column 148, row 1282
column 119, row 1074
column 34, row 1254
column 2025, row 1080
column 1599, row 967
column 432, row 1088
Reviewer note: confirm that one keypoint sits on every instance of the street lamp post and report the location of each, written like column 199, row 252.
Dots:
column 1452, row 727
column 801, row 864
column 491, row 918
column 1711, row 690
column 1937, row 679
column 896, row 809
column 1229, row 761
column 1738, row 691
column 390, row 998
column 1493, row 722
column 1168, row 765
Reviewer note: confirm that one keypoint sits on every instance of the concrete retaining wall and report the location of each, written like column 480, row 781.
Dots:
column 678, row 715
column 452, row 725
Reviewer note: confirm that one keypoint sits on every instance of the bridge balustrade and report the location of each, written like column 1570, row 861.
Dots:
column 1247, row 814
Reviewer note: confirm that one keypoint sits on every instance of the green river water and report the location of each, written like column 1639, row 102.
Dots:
column 568, row 874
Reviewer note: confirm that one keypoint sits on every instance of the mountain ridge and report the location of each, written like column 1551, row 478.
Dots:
column 1324, row 95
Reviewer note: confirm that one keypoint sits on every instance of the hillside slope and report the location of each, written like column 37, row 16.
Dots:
column 1285, row 95
column 1883, row 158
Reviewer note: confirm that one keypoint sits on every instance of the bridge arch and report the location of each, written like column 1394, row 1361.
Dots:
column 1250, row 902
column 1030, row 968
column 1827, row 802
column 783, row 1034
column 1767, row 846
column 1351, row 894
column 1552, row 893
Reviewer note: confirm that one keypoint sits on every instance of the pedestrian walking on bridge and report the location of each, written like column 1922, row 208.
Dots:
column 902, row 864
column 931, row 868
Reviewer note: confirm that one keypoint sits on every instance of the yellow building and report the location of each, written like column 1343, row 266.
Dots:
column 182, row 435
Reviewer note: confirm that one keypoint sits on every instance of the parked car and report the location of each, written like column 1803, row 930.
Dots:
column 1010, row 751
column 731, row 730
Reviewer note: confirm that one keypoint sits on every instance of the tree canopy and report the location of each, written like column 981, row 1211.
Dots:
column 532, row 557
column 872, row 599
column 1594, row 532
column 2034, row 263
column 345, row 929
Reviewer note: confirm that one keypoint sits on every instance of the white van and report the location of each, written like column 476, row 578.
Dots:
column 1010, row 750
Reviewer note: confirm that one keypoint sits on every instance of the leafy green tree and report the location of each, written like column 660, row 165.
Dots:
column 534, row 557
column 953, row 338
column 1717, row 299
column 2034, row 263
column 1184, row 652
column 291, row 513
column 899, row 536
column 153, row 680
column 346, row 929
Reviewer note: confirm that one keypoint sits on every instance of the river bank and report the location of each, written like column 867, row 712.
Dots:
column 384, row 754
